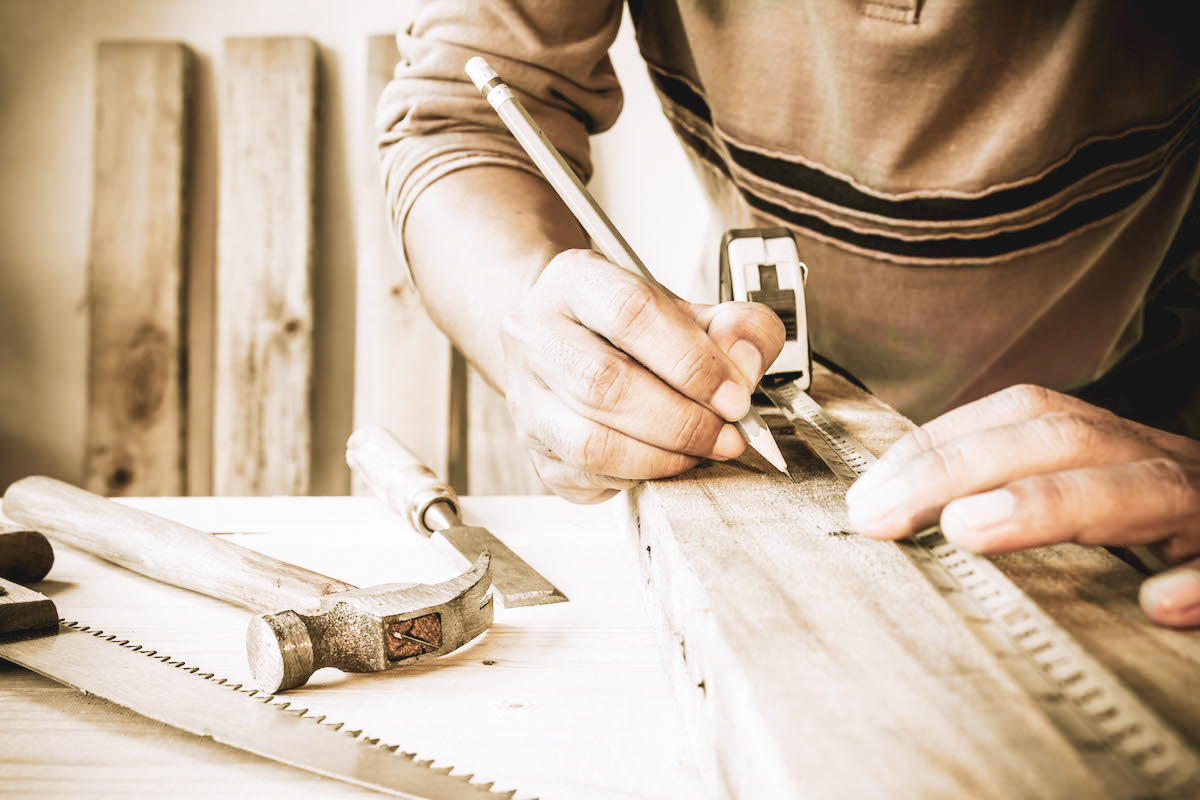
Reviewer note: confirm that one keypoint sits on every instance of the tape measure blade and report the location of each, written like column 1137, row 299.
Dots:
column 1123, row 742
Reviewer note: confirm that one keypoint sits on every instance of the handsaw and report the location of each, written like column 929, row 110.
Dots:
column 169, row 691
column 1126, row 744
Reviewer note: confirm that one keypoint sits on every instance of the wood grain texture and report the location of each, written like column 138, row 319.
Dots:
column 815, row 663
column 407, row 379
column 137, row 272
column 497, row 459
column 403, row 360
column 265, row 245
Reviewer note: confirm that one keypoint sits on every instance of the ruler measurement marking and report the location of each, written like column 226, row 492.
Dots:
column 1110, row 726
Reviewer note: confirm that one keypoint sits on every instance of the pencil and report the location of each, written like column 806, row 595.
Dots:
column 591, row 216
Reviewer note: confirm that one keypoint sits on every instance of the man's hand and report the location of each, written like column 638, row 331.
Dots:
column 1027, row 467
column 612, row 381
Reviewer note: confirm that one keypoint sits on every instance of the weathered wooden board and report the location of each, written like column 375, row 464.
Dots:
column 402, row 374
column 137, row 274
column 815, row 663
column 265, row 243
column 456, row 423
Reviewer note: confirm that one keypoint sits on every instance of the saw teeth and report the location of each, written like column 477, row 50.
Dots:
column 394, row 749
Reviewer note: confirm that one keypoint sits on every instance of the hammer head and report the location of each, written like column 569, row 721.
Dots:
column 370, row 630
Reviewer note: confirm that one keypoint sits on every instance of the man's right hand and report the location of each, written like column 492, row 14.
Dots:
column 612, row 381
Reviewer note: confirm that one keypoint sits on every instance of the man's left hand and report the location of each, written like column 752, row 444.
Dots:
column 1028, row 466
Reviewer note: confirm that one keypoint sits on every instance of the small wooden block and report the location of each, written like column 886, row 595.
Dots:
column 812, row 662
column 138, row 271
column 265, row 245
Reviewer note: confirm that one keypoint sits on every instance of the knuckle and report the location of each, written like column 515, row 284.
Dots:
column 1180, row 490
column 633, row 309
column 695, row 369
column 591, row 449
column 694, row 430
column 602, row 383
column 1031, row 399
column 945, row 461
column 1067, row 432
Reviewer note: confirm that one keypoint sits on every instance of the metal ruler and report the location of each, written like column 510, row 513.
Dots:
column 1125, row 744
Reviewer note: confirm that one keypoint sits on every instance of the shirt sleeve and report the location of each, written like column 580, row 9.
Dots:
column 432, row 120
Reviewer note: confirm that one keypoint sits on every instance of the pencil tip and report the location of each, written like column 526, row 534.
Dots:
column 758, row 436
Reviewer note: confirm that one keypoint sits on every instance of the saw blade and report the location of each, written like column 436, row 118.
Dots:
column 169, row 691
column 1123, row 741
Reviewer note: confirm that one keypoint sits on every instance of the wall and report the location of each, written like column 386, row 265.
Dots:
column 47, row 50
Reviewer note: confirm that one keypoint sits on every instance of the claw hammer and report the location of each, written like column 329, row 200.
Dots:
column 323, row 622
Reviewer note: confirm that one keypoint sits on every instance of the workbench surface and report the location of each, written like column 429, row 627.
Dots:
column 560, row 701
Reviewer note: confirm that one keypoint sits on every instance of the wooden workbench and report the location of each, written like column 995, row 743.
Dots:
column 562, row 701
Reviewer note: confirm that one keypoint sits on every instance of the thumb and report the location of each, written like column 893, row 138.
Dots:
column 1172, row 598
column 749, row 333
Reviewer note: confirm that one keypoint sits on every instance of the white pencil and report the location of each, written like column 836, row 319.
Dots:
column 589, row 213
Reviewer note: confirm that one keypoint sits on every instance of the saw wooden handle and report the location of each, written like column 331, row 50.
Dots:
column 396, row 476
column 164, row 550
column 25, row 555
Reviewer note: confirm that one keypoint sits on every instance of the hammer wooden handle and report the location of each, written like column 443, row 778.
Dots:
column 396, row 476
column 165, row 550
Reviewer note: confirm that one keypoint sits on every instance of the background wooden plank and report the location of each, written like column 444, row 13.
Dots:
column 137, row 381
column 265, row 243
column 812, row 662
column 402, row 360
column 406, row 379
column 496, row 457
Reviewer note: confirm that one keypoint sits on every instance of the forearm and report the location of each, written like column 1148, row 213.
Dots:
column 476, row 241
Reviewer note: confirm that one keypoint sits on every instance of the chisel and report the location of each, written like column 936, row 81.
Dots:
column 397, row 477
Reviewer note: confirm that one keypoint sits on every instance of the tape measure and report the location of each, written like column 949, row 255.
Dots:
column 1124, row 743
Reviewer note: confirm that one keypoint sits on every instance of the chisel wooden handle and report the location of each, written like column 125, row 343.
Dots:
column 164, row 550
column 396, row 476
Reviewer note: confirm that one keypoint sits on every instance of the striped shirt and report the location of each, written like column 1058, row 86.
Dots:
column 985, row 193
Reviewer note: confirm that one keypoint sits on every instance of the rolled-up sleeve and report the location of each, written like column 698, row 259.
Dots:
column 433, row 121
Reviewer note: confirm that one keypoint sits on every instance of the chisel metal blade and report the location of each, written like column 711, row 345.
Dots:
column 516, row 583
column 397, row 477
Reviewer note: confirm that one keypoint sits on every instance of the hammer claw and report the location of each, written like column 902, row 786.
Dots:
column 372, row 629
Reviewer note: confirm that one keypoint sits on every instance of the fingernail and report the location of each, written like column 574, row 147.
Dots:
column 1172, row 594
column 868, row 508
column 730, row 444
column 968, row 520
column 875, row 477
column 732, row 400
column 747, row 358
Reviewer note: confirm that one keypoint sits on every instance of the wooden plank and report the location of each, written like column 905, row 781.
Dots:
column 137, row 272
column 815, row 663
column 402, row 373
column 265, row 243
column 496, row 457
column 406, row 379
